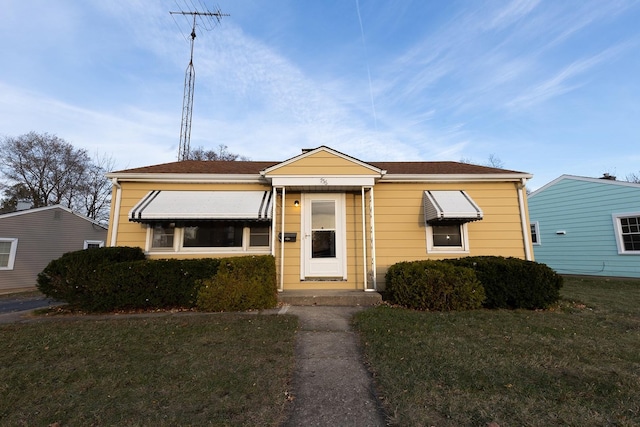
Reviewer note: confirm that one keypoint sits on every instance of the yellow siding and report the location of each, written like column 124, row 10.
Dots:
column 399, row 221
column 401, row 230
column 321, row 163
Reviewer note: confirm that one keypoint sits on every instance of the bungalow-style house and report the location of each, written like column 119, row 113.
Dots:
column 30, row 239
column 587, row 226
column 330, row 220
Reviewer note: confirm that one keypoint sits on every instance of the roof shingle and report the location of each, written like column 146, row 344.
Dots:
column 254, row 167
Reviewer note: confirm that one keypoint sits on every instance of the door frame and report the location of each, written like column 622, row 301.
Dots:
column 340, row 236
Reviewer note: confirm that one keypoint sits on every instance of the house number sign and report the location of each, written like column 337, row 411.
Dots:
column 324, row 181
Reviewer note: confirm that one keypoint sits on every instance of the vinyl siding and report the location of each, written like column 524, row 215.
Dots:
column 43, row 236
column 583, row 209
column 321, row 164
column 401, row 230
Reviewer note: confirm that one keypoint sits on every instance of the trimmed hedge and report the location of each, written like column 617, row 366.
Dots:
column 514, row 283
column 433, row 285
column 71, row 277
column 241, row 283
column 149, row 284
column 120, row 278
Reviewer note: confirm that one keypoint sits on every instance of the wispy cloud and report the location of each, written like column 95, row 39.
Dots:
column 564, row 80
column 510, row 14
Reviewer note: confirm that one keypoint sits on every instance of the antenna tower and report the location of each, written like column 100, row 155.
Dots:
column 207, row 18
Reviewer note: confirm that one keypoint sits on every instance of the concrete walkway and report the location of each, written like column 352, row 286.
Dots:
column 331, row 386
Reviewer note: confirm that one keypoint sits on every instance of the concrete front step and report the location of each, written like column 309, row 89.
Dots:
column 330, row 298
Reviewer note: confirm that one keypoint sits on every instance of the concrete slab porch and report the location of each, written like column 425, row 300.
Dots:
column 330, row 298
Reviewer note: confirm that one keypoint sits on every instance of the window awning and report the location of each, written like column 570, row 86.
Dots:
column 167, row 205
column 450, row 206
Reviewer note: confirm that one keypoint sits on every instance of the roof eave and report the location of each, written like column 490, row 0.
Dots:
column 189, row 177
column 455, row 177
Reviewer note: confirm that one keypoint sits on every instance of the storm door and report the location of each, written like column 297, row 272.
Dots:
column 324, row 241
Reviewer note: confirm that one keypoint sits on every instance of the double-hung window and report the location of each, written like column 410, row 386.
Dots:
column 535, row 233
column 8, row 248
column 627, row 227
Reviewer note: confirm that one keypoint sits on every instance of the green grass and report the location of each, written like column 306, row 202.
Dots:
column 578, row 364
column 217, row 369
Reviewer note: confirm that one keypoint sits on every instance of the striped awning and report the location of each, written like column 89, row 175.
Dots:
column 167, row 205
column 455, row 206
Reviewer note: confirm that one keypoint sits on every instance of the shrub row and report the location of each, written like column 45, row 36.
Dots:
column 120, row 278
column 471, row 282
column 514, row 283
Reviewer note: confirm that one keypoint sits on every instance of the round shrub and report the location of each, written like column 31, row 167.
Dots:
column 242, row 283
column 433, row 285
column 514, row 283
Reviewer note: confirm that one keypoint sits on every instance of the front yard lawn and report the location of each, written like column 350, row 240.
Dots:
column 213, row 369
column 578, row 364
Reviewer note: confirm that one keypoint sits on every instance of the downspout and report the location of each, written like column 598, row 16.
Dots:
column 273, row 222
column 364, row 239
column 116, row 212
column 523, row 219
column 372, row 219
column 282, row 241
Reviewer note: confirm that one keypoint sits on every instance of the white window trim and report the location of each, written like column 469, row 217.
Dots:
column 12, row 252
column 177, row 248
column 618, row 230
column 464, row 249
column 86, row 244
column 536, row 225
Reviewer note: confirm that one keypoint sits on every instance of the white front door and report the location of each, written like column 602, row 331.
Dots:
column 324, row 246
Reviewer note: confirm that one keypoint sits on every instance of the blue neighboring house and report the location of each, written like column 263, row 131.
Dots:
column 587, row 226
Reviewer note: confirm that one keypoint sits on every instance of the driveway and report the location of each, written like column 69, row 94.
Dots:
column 17, row 303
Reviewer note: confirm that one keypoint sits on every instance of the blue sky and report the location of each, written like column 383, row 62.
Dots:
column 549, row 87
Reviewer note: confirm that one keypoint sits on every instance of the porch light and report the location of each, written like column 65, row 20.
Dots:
column 296, row 203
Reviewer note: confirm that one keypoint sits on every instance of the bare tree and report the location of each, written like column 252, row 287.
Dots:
column 493, row 161
column 633, row 177
column 222, row 153
column 47, row 170
column 46, row 165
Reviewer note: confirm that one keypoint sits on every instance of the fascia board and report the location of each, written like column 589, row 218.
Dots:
column 454, row 177
column 189, row 178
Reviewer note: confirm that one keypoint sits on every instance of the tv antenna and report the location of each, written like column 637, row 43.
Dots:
column 208, row 19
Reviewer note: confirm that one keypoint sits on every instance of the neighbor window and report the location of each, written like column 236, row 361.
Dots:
column 447, row 237
column 8, row 247
column 90, row 244
column 627, row 233
column 535, row 233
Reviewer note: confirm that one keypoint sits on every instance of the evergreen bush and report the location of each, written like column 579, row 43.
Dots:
column 514, row 283
column 433, row 285
column 241, row 283
column 150, row 284
column 71, row 277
